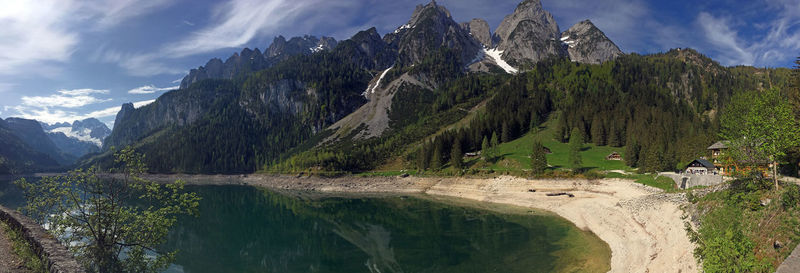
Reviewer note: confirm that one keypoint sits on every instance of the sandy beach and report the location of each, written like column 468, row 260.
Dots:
column 642, row 225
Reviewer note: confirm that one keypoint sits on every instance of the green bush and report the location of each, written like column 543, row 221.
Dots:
column 791, row 196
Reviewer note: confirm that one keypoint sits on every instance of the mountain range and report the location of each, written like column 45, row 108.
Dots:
column 406, row 98
column 31, row 146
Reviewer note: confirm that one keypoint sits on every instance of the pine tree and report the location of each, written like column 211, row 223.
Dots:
column 495, row 141
column 485, row 147
column 534, row 121
column 505, row 133
column 456, row 156
column 598, row 132
column 423, row 158
column 613, row 136
column 538, row 158
column 575, row 146
column 436, row 158
column 561, row 129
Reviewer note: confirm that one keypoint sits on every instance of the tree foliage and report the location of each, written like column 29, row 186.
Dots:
column 538, row 158
column 575, row 146
column 761, row 127
column 111, row 223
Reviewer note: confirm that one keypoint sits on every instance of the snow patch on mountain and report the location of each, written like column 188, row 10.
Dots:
column 82, row 135
column 371, row 89
column 496, row 54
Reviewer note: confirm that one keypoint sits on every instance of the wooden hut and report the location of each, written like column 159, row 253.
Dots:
column 614, row 156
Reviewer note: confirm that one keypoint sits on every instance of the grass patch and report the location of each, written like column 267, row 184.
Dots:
column 519, row 150
column 23, row 249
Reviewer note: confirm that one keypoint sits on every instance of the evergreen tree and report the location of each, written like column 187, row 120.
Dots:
column 575, row 146
column 561, row 129
column 632, row 154
column 505, row 133
column 534, row 124
column 485, row 147
column 456, row 156
column 538, row 158
column 613, row 136
column 423, row 158
column 598, row 132
column 495, row 141
column 436, row 158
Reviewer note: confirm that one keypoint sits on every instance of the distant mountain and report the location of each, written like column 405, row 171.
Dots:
column 32, row 134
column 479, row 29
column 16, row 157
column 79, row 138
column 588, row 44
column 254, row 60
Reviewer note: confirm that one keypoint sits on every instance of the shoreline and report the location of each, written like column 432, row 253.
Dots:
column 642, row 225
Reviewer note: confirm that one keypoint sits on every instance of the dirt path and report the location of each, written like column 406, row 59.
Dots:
column 9, row 262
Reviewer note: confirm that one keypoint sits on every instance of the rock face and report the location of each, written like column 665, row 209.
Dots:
column 479, row 29
column 587, row 44
column 530, row 34
column 368, row 50
column 430, row 28
column 253, row 60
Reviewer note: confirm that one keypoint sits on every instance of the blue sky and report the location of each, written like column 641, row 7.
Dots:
column 62, row 60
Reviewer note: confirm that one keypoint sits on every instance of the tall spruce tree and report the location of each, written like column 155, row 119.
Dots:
column 575, row 146
column 538, row 158
column 598, row 132
column 456, row 156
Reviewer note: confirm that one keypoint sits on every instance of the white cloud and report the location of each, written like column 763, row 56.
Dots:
column 150, row 89
column 66, row 99
column 39, row 34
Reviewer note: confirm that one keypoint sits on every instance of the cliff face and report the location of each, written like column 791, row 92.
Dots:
column 479, row 29
column 530, row 34
column 587, row 44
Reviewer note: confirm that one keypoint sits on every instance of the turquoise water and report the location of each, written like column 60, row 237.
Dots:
column 248, row 229
column 245, row 229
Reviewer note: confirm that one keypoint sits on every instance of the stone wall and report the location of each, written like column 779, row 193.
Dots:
column 685, row 181
column 52, row 253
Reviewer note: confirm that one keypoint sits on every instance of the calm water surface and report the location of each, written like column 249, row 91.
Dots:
column 247, row 229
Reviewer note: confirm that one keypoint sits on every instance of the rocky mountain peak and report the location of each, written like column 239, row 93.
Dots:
column 431, row 27
column 479, row 29
column 250, row 60
column 368, row 50
column 530, row 34
column 586, row 43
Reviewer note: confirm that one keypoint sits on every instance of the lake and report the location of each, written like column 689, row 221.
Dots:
column 248, row 229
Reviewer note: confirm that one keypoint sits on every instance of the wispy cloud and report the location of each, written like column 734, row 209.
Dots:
column 150, row 89
column 726, row 41
column 66, row 99
column 39, row 33
column 235, row 23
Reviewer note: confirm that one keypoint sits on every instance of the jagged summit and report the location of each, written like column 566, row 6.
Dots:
column 585, row 43
column 253, row 60
column 529, row 34
column 430, row 28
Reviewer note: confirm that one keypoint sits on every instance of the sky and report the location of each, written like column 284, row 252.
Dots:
column 65, row 60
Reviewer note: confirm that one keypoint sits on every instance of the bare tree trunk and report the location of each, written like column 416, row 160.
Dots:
column 775, row 173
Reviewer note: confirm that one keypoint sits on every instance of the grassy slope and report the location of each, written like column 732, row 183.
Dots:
column 517, row 153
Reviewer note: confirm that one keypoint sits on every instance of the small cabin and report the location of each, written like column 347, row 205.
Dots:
column 473, row 154
column 547, row 150
column 701, row 166
column 614, row 156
